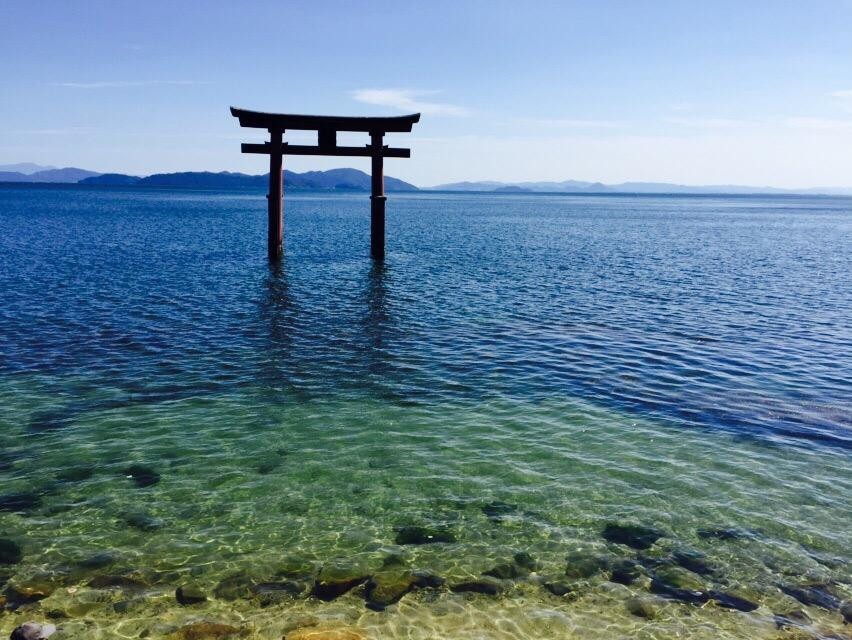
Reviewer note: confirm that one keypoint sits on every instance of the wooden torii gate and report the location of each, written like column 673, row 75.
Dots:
column 326, row 128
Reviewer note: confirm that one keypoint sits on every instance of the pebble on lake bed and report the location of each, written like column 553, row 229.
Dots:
column 141, row 475
column 326, row 633
column 33, row 631
column 10, row 552
column 208, row 631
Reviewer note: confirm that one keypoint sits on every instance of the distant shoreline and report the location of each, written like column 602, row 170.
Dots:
column 502, row 194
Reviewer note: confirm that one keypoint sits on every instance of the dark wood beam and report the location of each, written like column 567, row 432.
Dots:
column 307, row 150
column 283, row 121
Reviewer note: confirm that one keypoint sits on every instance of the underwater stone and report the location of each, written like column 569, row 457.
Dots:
column 559, row 589
column 582, row 565
column 33, row 631
column 20, row 502
column 268, row 466
column 846, row 611
column 234, row 587
column 272, row 593
column 99, row 560
column 814, row 594
column 486, row 587
column 506, row 571
column 142, row 476
column 693, row 561
column 387, row 588
column 642, row 607
column 731, row 601
column 635, row 536
column 496, row 511
column 116, row 581
column 144, row 521
column 525, row 560
column 207, row 631
column 326, row 633
column 423, row 535
column 691, row 596
column 625, row 572
column 189, row 594
column 796, row 618
column 10, row 552
column 723, row 534
column 335, row 580
column 75, row 474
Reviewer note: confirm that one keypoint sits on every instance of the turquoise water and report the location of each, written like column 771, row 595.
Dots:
column 524, row 375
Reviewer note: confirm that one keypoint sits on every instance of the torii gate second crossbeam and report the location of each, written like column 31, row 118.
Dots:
column 326, row 128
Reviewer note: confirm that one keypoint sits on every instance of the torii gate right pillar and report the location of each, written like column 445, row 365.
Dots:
column 377, row 198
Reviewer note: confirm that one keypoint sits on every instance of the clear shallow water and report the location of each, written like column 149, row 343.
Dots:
column 521, row 372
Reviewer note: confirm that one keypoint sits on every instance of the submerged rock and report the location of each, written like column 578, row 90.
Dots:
column 647, row 608
column 334, row 580
column 142, row 476
column 635, row 536
column 484, row 586
column 560, row 589
column 99, row 560
column 268, row 466
column 20, row 502
column 497, row 511
column 507, row 571
column 326, row 633
column 10, row 552
column 424, row 535
column 581, row 565
column 817, row 595
column 76, row 474
column 693, row 561
column 272, row 593
column 117, row 581
column 525, row 560
column 731, row 601
column 388, row 587
column 234, row 587
column 189, row 594
column 723, row 534
column 846, row 611
column 796, row 618
column 679, row 584
column 625, row 572
column 33, row 631
column 207, row 631
column 144, row 521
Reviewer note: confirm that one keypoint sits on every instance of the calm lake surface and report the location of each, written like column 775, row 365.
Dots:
column 526, row 380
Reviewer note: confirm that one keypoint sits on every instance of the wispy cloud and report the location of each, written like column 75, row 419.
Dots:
column 408, row 100
column 52, row 132
column 822, row 124
column 844, row 97
column 107, row 84
column 710, row 123
column 577, row 123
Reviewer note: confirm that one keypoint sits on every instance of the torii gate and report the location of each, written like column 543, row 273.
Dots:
column 326, row 128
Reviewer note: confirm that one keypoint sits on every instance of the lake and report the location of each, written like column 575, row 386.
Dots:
column 543, row 416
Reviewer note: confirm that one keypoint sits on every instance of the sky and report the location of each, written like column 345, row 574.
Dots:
column 692, row 92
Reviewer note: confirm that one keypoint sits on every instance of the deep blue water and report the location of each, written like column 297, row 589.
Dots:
column 709, row 312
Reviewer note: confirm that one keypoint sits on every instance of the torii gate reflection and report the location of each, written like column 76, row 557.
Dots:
column 326, row 128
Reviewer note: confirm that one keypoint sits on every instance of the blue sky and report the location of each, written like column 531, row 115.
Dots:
column 692, row 92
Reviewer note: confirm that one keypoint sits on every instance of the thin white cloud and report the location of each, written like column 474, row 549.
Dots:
column 845, row 97
column 710, row 123
column 408, row 100
column 107, row 84
column 822, row 124
column 578, row 123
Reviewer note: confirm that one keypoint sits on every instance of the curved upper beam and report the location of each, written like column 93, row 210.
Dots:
column 281, row 121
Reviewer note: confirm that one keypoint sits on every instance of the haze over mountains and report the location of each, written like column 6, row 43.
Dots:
column 578, row 186
column 347, row 179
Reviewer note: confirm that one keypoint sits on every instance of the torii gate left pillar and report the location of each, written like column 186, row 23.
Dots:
column 327, row 128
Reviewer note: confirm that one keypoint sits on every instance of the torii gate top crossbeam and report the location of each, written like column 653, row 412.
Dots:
column 281, row 121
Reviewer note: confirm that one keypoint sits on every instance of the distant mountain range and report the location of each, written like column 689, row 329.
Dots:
column 331, row 180
column 355, row 180
column 578, row 186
